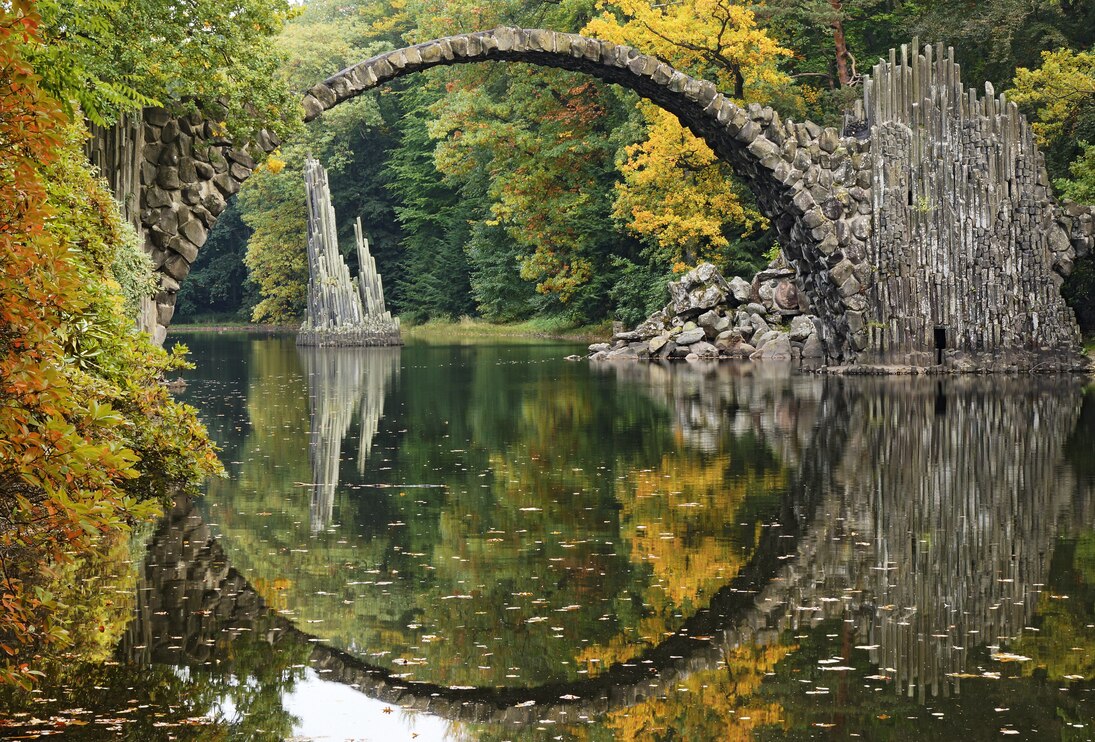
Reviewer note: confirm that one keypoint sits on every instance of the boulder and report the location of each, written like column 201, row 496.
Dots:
column 700, row 289
column 704, row 349
column 786, row 296
column 777, row 349
column 728, row 339
column 802, row 327
column 743, row 350
column 813, row 349
column 762, row 339
column 599, row 347
column 657, row 342
column 759, row 325
column 690, row 336
column 709, row 321
column 767, row 293
column 741, row 290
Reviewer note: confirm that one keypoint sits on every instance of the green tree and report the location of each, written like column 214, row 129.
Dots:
column 113, row 56
column 218, row 282
column 435, row 272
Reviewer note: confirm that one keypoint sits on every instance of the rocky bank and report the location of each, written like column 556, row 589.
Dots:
column 709, row 317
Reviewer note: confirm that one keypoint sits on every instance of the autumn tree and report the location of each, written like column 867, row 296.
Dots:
column 89, row 439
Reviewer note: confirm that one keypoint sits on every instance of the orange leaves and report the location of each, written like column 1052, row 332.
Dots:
column 67, row 446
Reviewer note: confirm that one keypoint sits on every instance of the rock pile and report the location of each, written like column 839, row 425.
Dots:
column 710, row 317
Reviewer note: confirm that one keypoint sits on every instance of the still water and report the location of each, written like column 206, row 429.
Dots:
column 487, row 542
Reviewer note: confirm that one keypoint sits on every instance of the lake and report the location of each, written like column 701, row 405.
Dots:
column 484, row 541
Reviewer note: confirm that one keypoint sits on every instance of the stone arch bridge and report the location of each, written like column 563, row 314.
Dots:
column 925, row 233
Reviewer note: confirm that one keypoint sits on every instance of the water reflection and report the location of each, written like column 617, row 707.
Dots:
column 343, row 383
column 530, row 548
column 921, row 515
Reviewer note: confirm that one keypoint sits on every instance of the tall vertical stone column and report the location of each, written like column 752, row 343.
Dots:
column 340, row 311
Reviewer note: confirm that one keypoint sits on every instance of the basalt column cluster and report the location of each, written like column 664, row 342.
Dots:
column 172, row 176
column 969, row 248
column 340, row 311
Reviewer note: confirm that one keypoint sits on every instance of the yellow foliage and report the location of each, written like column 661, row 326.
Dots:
column 678, row 514
column 675, row 192
column 678, row 193
column 715, row 705
column 717, row 40
column 274, row 163
column 1056, row 90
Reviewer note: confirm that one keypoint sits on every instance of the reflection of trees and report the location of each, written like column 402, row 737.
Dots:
column 895, row 510
column 343, row 383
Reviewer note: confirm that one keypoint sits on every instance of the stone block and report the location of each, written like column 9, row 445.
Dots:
column 188, row 172
column 194, row 231
column 156, row 116
column 239, row 172
column 170, row 132
column 203, row 170
column 689, row 337
column 176, row 266
column 191, row 195
column 312, row 107
column 155, row 197
column 226, row 184
column 776, row 349
column 166, row 219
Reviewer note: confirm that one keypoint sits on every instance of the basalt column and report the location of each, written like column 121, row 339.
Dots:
column 340, row 312
column 968, row 246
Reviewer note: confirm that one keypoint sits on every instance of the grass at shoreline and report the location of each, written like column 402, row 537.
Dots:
column 467, row 327
column 540, row 327
column 190, row 329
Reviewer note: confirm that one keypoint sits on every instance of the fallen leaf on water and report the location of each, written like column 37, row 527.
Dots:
column 1008, row 657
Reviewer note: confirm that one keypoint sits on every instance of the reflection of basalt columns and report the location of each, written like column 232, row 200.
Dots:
column 340, row 312
column 342, row 382
column 938, row 525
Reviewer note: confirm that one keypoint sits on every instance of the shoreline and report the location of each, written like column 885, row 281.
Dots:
column 432, row 330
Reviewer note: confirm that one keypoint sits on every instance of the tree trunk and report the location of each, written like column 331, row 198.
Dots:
column 840, row 43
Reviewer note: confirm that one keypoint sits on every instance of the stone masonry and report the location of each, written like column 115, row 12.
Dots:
column 885, row 290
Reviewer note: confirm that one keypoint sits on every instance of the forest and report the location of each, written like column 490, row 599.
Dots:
column 509, row 192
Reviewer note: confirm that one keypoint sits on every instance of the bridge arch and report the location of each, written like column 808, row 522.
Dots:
column 929, row 238
column 794, row 169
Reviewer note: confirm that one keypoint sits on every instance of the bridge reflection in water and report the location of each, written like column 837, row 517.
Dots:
column 921, row 513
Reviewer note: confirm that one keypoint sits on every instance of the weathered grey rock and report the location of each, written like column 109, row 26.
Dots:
column 741, row 290
column 704, row 349
column 785, row 297
column 813, row 348
column 802, row 327
column 701, row 288
column 760, row 340
column 777, row 349
column 194, row 231
column 690, row 336
column 741, row 350
column 758, row 324
column 657, row 342
column 168, row 178
column 709, row 321
column 599, row 347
